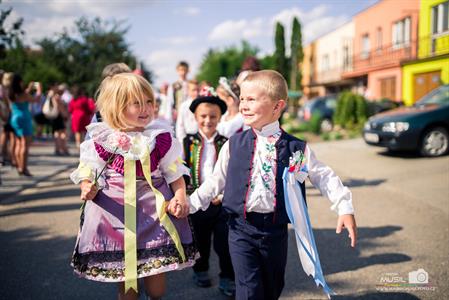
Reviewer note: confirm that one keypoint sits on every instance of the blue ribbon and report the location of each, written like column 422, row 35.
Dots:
column 319, row 277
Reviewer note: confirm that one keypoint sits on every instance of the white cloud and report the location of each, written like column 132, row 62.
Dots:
column 163, row 62
column 39, row 28
column 314, row 23
column 237, row 30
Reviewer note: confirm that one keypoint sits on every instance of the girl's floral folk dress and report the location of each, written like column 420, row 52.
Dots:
column 99, row 250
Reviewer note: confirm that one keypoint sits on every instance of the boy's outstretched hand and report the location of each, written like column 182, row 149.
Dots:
column 178, row 208
column 348, row 222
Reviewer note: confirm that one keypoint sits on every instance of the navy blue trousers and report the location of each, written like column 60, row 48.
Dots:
column 259, row 254
column 208, row 223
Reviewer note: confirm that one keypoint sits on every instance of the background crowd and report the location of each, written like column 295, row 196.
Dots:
column 60, row 113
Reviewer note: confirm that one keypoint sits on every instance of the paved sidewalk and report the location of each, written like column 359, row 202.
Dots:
column 402, row 213
column 43, row 164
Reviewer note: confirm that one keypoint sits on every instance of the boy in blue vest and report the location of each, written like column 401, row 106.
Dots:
column 201, row 151
column 249, row 170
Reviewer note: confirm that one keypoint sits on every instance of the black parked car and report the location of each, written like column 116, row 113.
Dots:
column 423, row 127
column 324, row 106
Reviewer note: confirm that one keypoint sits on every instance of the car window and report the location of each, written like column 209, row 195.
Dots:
column 331, row 103
column 438, row 96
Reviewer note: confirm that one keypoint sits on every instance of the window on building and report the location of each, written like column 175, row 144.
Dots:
column 379, row 40
column 365, row 47
column 388, row 88
column 346, row 58
column 440, row 18
column 401, row 33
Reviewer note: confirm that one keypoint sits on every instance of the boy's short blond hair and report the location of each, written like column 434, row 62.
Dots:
column 116, row 92
column 272, row 82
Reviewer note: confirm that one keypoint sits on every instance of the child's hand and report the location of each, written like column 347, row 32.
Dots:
column 217, row 200
column 178, row 208
column 88, row 190
column 348, row 222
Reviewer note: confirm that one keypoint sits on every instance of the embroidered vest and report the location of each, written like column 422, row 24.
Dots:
column 242, row 149
column 193, row 149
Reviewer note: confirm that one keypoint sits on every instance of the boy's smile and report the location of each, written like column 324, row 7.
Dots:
column 256, row 106
column 207, row 116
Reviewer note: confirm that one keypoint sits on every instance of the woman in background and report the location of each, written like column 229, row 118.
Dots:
column 21, row 120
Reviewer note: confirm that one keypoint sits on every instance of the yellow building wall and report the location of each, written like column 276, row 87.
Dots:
column 425, row 31
column 409, row 71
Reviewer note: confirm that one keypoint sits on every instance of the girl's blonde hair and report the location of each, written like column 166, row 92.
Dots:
column 116, row 92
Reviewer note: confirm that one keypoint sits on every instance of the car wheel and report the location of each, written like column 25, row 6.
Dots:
column 435, row 142
column 326, row 125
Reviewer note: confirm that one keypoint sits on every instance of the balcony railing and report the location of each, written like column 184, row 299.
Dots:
column 393, row 55
column 332, row 75
column 434, row 45
column 385, row 56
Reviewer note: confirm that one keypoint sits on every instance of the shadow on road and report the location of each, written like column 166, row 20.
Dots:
column 37, row 267
column 30, row 258
column 15, row 198
column 337, row 256
column 401, row 154
column 39, row 209
column 376, row 296
column 352, row 182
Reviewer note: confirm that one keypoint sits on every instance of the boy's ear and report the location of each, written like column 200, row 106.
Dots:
column 281, row 105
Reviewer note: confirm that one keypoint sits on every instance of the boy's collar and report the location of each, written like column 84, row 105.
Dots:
column 268, row 129
column 205, row 138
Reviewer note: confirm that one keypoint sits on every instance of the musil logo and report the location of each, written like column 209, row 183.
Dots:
column 392, row 278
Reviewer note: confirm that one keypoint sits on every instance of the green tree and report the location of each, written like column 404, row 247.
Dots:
column 9, row 37
column 225, row 62
column 267, row 62
column 296, row 55
column 279, row 52
column 13, row 56
column 83, row 55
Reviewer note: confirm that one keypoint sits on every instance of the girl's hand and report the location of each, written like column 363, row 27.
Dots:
column 88, row 190
column 348, row 222
column 178, row 208
column 217, row 200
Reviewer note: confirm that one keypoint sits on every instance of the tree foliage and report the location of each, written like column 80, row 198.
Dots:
column 9, row 37
column 351, row 110
column 75, row 57
column 83, row 55
column 225, row 62
column 279, row 57
column 296, row 55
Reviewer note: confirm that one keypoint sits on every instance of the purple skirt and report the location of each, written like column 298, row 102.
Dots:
column 99, row 248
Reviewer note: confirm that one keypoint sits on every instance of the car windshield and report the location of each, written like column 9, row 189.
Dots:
column 438, row 96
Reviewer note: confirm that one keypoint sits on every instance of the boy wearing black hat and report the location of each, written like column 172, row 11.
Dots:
column 201, row 152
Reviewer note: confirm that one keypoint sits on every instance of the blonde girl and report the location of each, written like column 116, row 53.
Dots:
column 134, row 221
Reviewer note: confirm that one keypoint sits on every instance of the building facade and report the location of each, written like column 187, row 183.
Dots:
column 431, row 68
column 385, row 36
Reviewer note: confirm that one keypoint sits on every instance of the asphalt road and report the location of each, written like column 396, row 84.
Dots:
column 402, row 211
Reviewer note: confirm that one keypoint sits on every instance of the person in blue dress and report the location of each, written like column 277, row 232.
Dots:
column 21, row 120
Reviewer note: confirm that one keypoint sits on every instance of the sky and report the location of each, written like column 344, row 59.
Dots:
column 161, row 33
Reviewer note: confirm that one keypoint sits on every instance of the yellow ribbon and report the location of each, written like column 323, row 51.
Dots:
column 130, row 218
column 130, row 225
column 161, row 205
